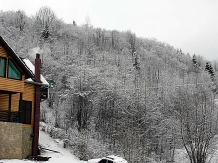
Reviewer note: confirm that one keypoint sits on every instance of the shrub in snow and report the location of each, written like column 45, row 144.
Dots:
column 55, row 133
column 81, row 144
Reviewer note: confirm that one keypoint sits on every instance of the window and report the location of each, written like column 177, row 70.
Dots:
column 103, row 161
column 13, row 72
column 25, row 109
column 2, row 66
column 109, row 161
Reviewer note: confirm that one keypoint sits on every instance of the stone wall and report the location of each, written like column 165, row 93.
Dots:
column 10, row 140
column 27, row 142
column 15, row 141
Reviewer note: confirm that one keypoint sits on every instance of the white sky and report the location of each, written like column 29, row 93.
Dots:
column 191, row 25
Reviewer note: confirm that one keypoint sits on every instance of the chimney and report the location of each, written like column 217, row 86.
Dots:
column 37, row 107
column 37, row 68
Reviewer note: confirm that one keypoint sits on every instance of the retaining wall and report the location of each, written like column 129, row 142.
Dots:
column 15, row 141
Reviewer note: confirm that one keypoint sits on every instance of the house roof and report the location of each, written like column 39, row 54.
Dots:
column 14, row 56
column 24, row 64
column 29, row 64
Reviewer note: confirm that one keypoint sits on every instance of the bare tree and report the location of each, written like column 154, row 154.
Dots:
column 131, row 39
column 198, row 121
column 20, row 20
column 45, row 16
column 46, row 23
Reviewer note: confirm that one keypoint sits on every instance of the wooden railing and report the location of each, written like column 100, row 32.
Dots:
column 10, row 116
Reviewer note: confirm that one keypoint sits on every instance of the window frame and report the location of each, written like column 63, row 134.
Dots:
column 25, row 109
column 4, row 76
column 10, row 60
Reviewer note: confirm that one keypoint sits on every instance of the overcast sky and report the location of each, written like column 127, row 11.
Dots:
column 191, row 25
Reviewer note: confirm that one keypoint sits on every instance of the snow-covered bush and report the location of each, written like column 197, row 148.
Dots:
column 81, row 144
column 55, row 133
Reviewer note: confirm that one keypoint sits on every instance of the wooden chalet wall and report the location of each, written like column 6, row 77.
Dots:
column 4, row 100
column 18, row 90
column 3, row 53
column 29, row 95
column 15, row 102
column 10, row 84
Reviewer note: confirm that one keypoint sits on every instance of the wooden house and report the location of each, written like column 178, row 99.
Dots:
column 17, row 104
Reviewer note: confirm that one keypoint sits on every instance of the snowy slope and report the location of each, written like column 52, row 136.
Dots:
column 62, row 156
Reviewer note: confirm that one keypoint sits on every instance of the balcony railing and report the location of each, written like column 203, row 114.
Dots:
column 10, row 116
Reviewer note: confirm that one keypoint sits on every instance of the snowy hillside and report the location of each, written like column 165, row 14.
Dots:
column 61, row 156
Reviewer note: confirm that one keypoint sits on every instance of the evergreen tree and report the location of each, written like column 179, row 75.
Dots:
column 136, row 63
column 46, row 33
column 194, row 60
column 210, row 70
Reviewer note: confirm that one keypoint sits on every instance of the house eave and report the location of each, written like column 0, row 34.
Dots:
column 20, row 63
column 36, row 83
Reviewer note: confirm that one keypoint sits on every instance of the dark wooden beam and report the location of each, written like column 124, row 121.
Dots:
column 9, row 107
column 7, row 92
column 9, row 103
column 21, row 96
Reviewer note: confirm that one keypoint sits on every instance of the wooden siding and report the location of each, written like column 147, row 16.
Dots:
column 7, row 84
column 18, row 86
column 15, row 102
column 4, row 100
column 3, row 53
column 29, row 95
column 11, row 85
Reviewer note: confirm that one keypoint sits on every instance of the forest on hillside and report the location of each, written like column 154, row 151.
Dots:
column 117, row 93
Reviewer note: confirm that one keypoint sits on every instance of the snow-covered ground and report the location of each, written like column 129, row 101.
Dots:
column 62, row 156
column 182, row 157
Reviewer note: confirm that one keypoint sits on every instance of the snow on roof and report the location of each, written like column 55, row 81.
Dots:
column 115, row 158
column 29, row 64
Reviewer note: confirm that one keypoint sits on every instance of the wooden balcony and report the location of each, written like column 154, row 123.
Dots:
column 10, row 116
